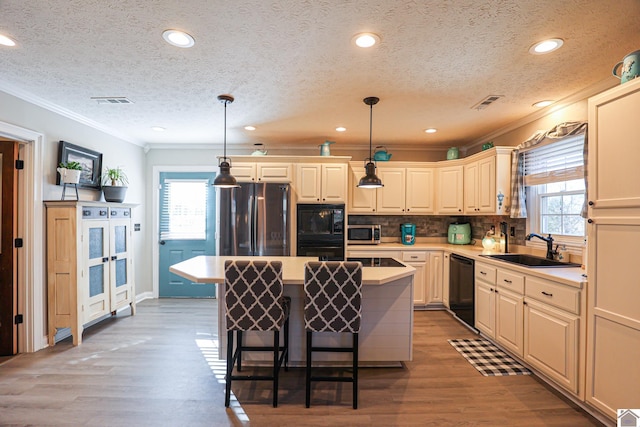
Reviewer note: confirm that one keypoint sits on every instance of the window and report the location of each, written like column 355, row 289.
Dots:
column 554, row 176
column 184, row 210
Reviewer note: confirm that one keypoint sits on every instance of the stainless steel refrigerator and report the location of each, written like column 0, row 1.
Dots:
column 254, row 220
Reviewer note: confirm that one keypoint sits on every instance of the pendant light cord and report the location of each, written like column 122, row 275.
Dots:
column 370, row 130
column 225, row 130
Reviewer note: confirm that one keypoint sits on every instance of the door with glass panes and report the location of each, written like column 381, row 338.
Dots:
column 187, row 229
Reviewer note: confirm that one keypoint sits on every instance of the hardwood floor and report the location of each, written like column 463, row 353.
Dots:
column 159, row 368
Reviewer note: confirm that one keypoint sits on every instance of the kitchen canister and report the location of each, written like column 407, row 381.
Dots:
column 453, row 153
column 630, row 67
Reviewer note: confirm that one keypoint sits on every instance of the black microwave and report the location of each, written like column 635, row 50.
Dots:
column 318, row 222
column 363, row 234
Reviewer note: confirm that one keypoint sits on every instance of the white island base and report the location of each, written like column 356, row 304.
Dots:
column 386, row 335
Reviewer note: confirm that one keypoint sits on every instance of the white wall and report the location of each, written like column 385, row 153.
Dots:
column 116, row 152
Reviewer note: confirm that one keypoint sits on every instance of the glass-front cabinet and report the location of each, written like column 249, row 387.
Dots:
column 90, row 263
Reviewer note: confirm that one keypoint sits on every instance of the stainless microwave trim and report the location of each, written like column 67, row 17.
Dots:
column 373, row 240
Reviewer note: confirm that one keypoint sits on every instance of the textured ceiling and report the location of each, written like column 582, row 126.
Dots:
column 294, row 71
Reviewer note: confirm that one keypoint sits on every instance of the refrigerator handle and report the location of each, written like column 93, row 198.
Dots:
column 252, row 224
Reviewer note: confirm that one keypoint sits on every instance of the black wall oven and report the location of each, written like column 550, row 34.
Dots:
column 320, row 231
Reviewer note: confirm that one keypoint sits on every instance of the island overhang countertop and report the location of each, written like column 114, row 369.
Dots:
column 210, row 269
column 386, row 333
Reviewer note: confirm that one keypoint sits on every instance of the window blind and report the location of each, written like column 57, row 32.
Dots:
column 183, row 212
column 559, row 161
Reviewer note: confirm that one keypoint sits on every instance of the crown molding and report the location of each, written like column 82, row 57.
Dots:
column 50, row 106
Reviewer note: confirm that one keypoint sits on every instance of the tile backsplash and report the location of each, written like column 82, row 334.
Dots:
column 438, row 226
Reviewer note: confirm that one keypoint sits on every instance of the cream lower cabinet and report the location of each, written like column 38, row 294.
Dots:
column 418, row 260
column 445, row 278
column 434, row 279
column 90, row 267
column 499, row 306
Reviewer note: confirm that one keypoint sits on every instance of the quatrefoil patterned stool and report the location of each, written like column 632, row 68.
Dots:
column 255, row 302
column 333, row 303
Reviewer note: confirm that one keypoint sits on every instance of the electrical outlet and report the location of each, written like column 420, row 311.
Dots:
column 512, row 232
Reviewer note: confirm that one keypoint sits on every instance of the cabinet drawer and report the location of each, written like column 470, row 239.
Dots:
column 485, row 273
column 414, row 256
column 554, row 294
column 510, row 280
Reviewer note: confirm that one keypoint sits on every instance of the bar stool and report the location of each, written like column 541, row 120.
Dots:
column 333, row 303
column 255, row 302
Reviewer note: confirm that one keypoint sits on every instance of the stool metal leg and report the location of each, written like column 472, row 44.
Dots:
column 308, row 370
column 239, row 345
column 227, row 379
column 355, row 371
column 276, row 366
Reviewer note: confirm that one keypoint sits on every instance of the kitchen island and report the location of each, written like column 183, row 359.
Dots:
column 386, row 335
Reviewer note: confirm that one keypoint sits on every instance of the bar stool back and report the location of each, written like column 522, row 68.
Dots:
column 254, row 302
column 333, row 303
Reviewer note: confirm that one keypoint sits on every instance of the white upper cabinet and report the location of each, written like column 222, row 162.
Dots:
column 321, row 183
column 614, row 151
column 406, row 190
column 261, row 172
column 484, row 179
column 243, row 172
column 419, row 190
column 450, row 190
column 391, row 197
column 361, row 200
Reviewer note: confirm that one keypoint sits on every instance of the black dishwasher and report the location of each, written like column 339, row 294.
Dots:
column 462, row 289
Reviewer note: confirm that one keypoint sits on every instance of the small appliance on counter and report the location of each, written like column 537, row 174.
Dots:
column 408, row 233
column 363, row 234
column 459, row 234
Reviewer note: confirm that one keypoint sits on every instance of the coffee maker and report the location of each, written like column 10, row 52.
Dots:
column 408, row 233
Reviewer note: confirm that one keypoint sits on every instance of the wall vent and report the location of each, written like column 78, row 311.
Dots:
column 486, row 102
column 111, row 100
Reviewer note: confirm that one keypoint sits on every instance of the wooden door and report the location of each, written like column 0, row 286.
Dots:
column 8, row 252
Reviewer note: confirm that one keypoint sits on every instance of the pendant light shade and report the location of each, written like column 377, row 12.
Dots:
column 224, row 178
column 370, row 179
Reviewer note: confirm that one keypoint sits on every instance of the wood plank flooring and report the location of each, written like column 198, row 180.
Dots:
column 160, row 368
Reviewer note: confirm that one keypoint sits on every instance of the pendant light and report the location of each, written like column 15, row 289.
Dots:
column 224, row 178
column 370, row 180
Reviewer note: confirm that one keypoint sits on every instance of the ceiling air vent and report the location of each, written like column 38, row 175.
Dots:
column 111, row 100
column 486, row 102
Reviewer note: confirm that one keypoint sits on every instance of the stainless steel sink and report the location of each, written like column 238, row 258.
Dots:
column 530, row 260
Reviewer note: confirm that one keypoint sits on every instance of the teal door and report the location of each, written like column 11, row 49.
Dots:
column 187, row 229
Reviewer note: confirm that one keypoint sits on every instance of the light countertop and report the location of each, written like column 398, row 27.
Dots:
column 571, row 276
column 210, row 269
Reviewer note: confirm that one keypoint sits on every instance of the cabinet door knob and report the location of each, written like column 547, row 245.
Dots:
column 114, row 257
column 105, row 259
column 162, row 242
column 590, row 221
column 591, row 203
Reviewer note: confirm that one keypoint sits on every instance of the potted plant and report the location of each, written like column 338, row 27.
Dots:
column 114, row 184
column 70, row 172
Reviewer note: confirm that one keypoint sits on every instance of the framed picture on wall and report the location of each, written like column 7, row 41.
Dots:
column 91, row 162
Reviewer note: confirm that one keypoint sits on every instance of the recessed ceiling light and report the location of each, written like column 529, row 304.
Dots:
column 6, row 41
column 431, row 130
column 178, row 38
column 250, row 128
column 366, row 39
column 158, row 128
column 341, row 129
column 546, row 46
column 541, row 104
